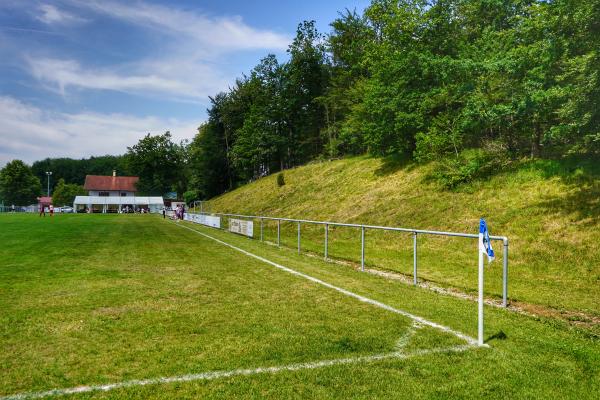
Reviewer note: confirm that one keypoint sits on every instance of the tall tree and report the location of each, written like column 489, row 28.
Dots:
column 18, row 185
column 159, row 163
column 306, row 81
column 64, row 193
column 210, row 174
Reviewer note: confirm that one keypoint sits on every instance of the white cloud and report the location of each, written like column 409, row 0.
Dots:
column 185, row 80
column 50, row 15
column 30, row 133
column 194, row 49
column 219, row 34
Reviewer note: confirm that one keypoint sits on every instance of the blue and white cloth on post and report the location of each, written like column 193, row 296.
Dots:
column 485, row 246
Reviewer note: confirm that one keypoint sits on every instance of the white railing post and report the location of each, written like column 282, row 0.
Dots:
column 278, row 232
column 480, row 302
column 362, row 248
column 505, row 273
column 415, row 280
column 298, row 237
column 326, row 240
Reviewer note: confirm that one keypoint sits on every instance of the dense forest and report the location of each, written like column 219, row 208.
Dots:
column 477, row 83
column 470, row 84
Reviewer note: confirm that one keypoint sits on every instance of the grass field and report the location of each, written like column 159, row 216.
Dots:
column 550, row 211
column 89, row 300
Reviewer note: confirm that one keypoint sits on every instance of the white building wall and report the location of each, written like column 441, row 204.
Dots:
column 111, row 193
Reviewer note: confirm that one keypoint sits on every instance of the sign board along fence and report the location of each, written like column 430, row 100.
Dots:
column 208, row 220
column 241, row 226
column 245, row 227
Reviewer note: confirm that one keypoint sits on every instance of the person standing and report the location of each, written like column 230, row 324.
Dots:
column 42, row 210
column 51, row 209
column 164, row 212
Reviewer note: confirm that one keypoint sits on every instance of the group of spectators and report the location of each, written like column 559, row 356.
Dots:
column 178, row 212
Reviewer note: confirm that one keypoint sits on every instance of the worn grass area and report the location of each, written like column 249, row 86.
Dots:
column 550, row 210
column 92, row 299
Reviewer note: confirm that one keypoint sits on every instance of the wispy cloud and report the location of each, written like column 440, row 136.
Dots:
column 185, row 80
column 31, row 133
column 194, row 48
column 220, row 34
column 49, row 15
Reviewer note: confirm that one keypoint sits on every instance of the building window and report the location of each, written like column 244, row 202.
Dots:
column 103, row 194
column 123, row 194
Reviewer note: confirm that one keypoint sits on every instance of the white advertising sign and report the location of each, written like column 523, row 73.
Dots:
column 208, row 220
column 241, row 226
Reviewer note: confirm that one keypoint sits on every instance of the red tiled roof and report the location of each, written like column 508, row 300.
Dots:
column 45, row 200
column 98, row 182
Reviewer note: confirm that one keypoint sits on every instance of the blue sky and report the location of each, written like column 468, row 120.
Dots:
column 82, row 78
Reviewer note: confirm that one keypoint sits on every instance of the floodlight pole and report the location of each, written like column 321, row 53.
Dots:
column 48, row 173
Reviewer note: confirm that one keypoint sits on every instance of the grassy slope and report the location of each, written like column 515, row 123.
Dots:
column 87, row 299
column 550, row 212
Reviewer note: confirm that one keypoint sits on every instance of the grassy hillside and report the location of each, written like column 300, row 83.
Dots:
column 549, row 210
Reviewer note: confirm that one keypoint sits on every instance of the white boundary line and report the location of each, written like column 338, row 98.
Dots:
column 207, row 376
column 466, row 338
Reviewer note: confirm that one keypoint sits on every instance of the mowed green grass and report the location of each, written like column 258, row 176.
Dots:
column 550, row 211
column 91, row 299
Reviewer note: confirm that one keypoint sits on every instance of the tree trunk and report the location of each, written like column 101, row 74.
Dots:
column 536, row 141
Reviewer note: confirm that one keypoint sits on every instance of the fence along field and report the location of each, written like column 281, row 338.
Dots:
column 446, row 261
column 244, row 226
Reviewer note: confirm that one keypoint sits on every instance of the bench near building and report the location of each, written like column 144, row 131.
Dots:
column 115, row 194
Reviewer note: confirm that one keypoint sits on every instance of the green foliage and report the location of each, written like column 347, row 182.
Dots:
column 64, row 193
column 159, row 163
column 468, row 166
column 190, row 195
column 74, row 171
column 427, row 79
column 18, row 184
column 280, row 179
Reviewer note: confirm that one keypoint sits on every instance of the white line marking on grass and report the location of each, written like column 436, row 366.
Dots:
column 206, row 376
column 405, row 339
column 364, row 299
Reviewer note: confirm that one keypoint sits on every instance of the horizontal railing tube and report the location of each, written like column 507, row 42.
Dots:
column 379, row 227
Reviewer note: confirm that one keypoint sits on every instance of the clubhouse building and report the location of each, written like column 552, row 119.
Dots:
column 114, row 194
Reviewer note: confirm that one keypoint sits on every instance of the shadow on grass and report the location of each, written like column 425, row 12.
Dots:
column 394, row 163
column 582, row 178
column 500, row 335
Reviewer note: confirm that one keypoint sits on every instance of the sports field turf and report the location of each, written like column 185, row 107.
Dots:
column 92, row 300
